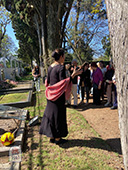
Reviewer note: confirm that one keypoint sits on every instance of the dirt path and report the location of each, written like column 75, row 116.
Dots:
column 104, row 121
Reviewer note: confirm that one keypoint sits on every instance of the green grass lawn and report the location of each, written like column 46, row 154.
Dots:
column 16, row 97
column 12, row 98
column 84, row 151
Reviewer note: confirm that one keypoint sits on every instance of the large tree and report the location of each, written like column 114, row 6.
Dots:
column 4, row 21
column 86, row 27
column 49, row 18
column 117, row 12
column 28, row 40
column 107, row 49
column 8, row 48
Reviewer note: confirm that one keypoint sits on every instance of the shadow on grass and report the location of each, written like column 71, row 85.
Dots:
column 38, row 107
column 35, row 143
column 90, row 106
column 33, row 101
column 116, row 144
column 84, row 106
column 94, row 143
column 27, row 149
column 40, row 156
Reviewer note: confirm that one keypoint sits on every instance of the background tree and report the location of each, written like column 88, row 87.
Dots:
column 117, row 12
column 107, row 47
column 4, row 21
column 83, row 31
column 28, row 40
column 106, row 56
column 8, row 48
column 86, row 28
column 49, row 18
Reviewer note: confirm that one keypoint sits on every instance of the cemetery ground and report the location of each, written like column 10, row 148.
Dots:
column 93, row 140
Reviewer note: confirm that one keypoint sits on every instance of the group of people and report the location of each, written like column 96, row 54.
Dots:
column 64, row 80
column 97, row 78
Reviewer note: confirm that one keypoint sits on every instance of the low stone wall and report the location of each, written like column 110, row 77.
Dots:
column 4, row 151
column 20, row 104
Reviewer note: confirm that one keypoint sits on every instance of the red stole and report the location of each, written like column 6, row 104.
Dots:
column 55, row 91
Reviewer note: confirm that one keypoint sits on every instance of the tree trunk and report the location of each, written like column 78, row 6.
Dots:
column 38, row 33
column 39, row 40
column 117, row 11
column 43, row 20
column 53, row 26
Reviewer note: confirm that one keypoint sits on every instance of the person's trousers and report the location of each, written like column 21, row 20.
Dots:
column 74, row 93
column 83, row 89
column 96, row 96
column 114, row 97
column 37, row 84
column 109, row 93
column 102, row 90
column 78, row 87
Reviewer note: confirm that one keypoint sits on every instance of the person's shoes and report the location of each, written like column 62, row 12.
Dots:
column 52, row 140
column 107, row 104
column 75, row 106
column 114, row 107
column 61, row 141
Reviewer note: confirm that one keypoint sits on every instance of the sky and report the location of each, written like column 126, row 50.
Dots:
column 11, row 34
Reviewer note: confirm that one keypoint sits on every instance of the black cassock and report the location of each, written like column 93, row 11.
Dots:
column 54, row 123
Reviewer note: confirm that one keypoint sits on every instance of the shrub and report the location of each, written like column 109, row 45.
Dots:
column 27, row 69
column 7, row 84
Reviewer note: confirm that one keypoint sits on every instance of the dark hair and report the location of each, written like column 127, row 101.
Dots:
column 93, row 64
column 86, row 64
column 101, row 61
column 57, row 53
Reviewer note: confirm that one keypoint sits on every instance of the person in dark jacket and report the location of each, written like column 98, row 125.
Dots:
column 85, row 83
column 114, row 93
column 108, row 78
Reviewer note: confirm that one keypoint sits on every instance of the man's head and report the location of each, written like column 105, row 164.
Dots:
column 101, row 64
column 36, row 66
column 94, row 66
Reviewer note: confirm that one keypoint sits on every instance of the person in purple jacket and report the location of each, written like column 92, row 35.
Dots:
column 97, row 78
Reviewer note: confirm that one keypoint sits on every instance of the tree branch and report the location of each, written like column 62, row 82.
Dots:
column 65, row 19
column 74, row 48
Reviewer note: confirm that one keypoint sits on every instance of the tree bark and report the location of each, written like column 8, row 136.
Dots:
column 117, row 12
column 53, row 26
column 40, row 21
column 38, row 33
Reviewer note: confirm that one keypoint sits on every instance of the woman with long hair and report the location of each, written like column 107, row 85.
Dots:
column 36, row 74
